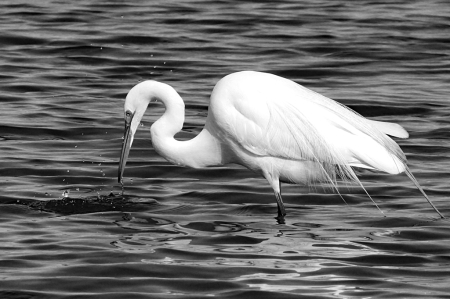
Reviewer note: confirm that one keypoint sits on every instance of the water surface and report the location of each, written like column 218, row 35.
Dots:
column 67, row 232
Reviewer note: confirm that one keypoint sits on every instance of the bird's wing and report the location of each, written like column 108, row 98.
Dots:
column 272, row 116
column 390, row 128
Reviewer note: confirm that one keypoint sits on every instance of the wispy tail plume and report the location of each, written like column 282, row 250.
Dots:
column 413, row 179
column 370, row 197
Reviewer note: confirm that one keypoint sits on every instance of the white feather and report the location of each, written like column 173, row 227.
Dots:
column 276, row 117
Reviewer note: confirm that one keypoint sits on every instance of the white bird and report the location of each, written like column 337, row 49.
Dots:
column 273, row 126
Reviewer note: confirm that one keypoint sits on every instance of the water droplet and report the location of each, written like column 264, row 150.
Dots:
column 76, row 146
column 68, row 170
column 104, row 174
column 46, row 194
column 99, row 164
column 65, row 193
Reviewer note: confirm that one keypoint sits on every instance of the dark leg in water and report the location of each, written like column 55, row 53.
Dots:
column 276, row 186
column 281, row 209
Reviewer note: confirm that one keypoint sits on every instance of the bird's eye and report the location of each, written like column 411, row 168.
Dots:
column 128, row 116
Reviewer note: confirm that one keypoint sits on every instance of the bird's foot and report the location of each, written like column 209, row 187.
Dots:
column 280, row 218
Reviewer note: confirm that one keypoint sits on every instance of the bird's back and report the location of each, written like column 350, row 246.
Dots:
column 267, row 115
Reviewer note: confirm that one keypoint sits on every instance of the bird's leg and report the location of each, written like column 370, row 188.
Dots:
column 281, row 209
column 274, row 182
column 280, row 204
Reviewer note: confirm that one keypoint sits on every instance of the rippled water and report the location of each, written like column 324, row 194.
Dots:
column 67, row 232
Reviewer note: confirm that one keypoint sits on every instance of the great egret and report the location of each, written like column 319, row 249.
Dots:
column 273, row 126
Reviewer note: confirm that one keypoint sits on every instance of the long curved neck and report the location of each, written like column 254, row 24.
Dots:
column 201, row 151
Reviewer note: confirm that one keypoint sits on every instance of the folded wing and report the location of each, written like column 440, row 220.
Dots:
column 273, row 116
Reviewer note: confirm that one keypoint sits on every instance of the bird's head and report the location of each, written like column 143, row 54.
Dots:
column 136, row 103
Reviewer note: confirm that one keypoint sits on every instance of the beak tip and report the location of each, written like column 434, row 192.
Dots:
column 120, row 173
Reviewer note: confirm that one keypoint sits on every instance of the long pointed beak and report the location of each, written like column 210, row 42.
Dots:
column 125, row 147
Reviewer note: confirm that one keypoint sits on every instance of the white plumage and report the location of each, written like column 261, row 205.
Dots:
column 273, row 126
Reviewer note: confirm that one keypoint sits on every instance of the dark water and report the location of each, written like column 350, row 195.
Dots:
column 65, row 68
